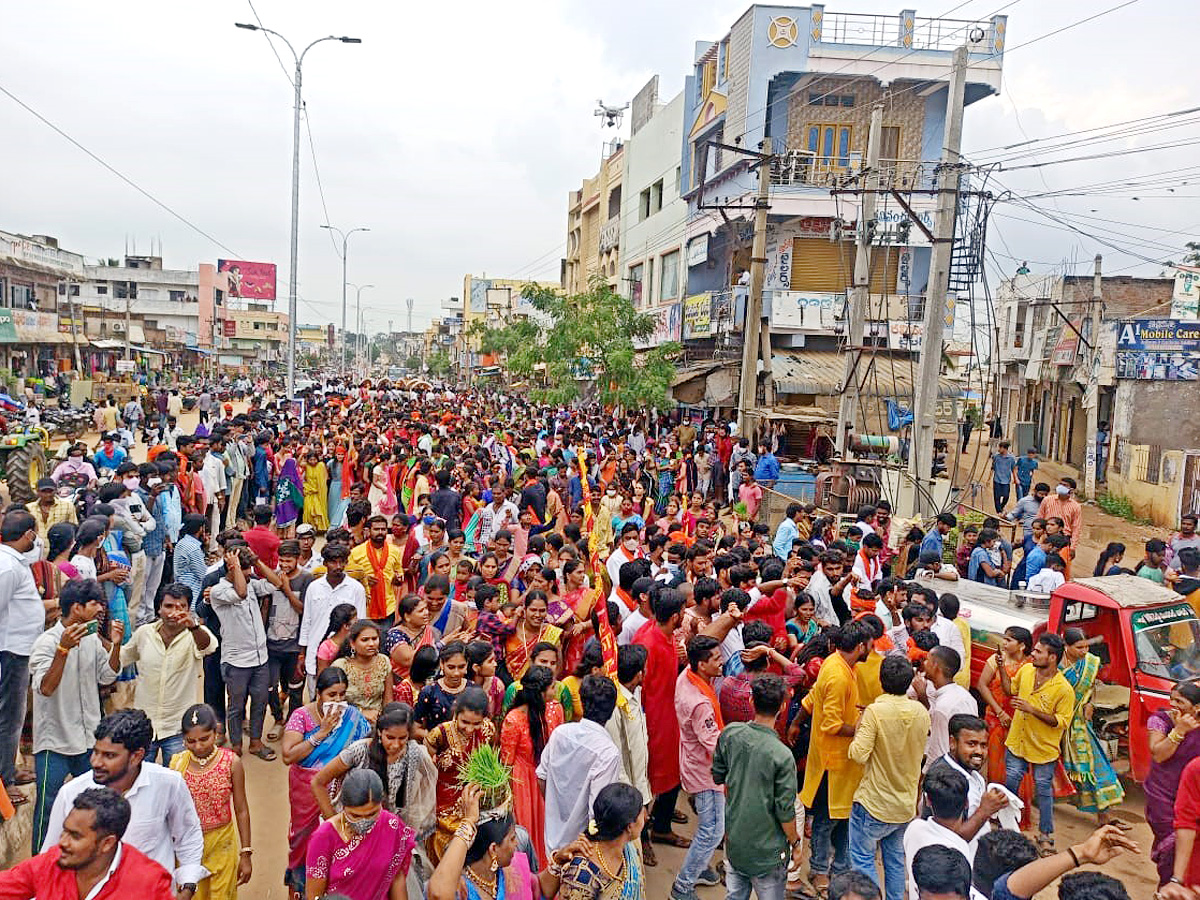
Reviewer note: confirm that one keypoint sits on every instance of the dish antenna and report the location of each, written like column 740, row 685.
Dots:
column 612, row 115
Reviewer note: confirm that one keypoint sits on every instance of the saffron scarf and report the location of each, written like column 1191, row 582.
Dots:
column 706, row 689
column 378, row 558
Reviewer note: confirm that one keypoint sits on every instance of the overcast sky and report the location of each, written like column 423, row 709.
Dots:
column 455, row 132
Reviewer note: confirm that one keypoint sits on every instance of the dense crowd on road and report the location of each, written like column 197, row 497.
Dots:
column 492, row 643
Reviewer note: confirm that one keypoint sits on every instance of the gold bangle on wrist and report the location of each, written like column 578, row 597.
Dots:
column 1174, row 736
column 466, row 832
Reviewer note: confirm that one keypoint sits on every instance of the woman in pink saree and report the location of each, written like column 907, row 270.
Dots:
column 364, row 852
column 315, row 734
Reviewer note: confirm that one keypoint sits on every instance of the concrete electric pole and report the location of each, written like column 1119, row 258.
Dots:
column 860, row 293
column 939, row 304
column 752, row 328
column 1091, row 397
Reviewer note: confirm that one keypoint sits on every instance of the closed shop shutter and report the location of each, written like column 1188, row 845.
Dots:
column 819, row 264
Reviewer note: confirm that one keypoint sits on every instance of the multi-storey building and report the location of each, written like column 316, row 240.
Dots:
column 594, row 225
column 1139, row 369
column 800, row 83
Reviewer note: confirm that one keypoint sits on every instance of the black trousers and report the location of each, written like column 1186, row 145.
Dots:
column 662, row 810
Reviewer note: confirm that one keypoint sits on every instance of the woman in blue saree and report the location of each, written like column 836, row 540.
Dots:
column 1098, row 789
column 315, row 734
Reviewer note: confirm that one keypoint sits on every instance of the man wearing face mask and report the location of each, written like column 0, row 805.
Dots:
column 48, row 509
column 1062, row 504
column 75, row 464
column 21, row 618
column 628, row 549
column 135, row 522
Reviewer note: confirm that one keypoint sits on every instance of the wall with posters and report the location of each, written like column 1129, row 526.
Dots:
column 668, row 325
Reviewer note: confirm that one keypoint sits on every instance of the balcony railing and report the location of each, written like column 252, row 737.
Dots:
column 911, row 33
column 804, row 167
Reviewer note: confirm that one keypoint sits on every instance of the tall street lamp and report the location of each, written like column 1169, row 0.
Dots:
column 345, row 236
column 299, row 59
column 358, row 338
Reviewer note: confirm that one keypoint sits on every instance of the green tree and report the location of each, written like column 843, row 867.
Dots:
column 439, row 363
column 413, row 362
column 586, row 343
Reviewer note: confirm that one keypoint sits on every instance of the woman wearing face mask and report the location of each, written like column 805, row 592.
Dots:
column 363, row 852
column 315, row 734
column 401, row 763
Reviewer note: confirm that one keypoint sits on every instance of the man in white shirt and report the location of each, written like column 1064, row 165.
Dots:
column 641, row 614
column 323, row 595
column 212, row 476
column 822, row 585
column 944, row 697
column 628, row 549
column 579, row 759
column 946, row 795
column 168, row 653
column 163, row 823
column 967, row 756
column 627, row 725
column 21, row 619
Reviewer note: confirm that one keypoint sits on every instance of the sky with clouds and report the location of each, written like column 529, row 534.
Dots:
column 455, row 133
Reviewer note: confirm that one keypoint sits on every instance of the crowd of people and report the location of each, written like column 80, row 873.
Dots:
column 498, row 641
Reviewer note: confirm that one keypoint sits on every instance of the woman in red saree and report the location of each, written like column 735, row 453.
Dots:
column 451, row 744
column 1015, row 647
column 523, row 736
column 531, row 629
column 581, row 600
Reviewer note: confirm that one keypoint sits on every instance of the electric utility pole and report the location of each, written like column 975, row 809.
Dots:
column 753, row 326
column 1091, row 397
column 860, row 293
column 939, row 305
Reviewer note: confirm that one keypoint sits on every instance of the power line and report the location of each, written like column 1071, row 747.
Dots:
column 129, row 181
column 270, row 43
column 320, row 187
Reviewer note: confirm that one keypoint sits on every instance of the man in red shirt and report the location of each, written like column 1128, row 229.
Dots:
column 658, row 701
column 90, row 860
column 262, row 540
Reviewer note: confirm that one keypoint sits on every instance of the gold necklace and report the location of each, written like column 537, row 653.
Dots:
column 488, row 886
column 613, row 876
column 208, row 760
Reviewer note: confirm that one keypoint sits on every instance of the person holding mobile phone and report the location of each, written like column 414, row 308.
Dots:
column 66, row 663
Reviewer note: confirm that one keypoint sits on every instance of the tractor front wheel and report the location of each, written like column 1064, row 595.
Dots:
column 23, row 467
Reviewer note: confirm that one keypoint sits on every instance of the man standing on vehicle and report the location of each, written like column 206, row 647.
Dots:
column 1003, row 466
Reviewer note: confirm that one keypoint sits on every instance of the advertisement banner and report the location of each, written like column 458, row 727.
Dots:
column 1068, row 343
column 229, row 327
column 248, row 280
column 668, row 324
column 779, row 262
column 1158, row 350
column 1185, row 300
column 697, row 250
column 697, row 317
column 805, row 309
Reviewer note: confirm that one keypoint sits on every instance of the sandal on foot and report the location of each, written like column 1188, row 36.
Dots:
column 1045, row 845
column 266, row 754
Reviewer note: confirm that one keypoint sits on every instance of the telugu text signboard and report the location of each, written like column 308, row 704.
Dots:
column 697, row 317
column 1158, row 350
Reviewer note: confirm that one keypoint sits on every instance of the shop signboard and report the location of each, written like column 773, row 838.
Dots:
column 697, row 317
column 805, row 309
column 1158, row 350
column 1185, row 300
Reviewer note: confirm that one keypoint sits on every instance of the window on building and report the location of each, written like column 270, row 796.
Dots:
column 656, row 192
column 121, row 290
column 829, row 98
column 724, row 59
column 635, row 284
column 175, row 296
column 102, row 289
column 678, row 180
column 830, row 144
column 62, row 290
column 614, row 202
column 669, row 277
column 21, row 297
column 644, row 205
column 648, row 295
column 258, row 326
column 218, row 296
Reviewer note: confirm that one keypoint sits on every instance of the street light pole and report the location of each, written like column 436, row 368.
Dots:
column 345, row 236
column 358, row 333
column 299, row 59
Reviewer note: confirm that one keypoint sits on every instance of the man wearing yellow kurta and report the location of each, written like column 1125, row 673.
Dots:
column 830, row 776
column 1045, row 703
column 377, row 564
